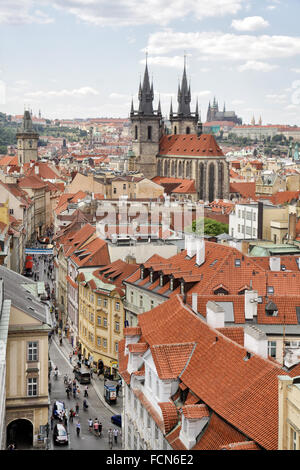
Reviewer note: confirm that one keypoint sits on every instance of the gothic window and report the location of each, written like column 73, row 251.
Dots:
column 159, row 168
column 221, row 179
column 149, row 132
column 201, row 181
column 172, row 168
column 211, row 182
column 180, row 170
column 175, row 129
column 166, row 168
column 135, row 132
column 30, row 143
column 188, row 130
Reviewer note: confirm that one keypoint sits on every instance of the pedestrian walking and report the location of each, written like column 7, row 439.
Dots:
column 70, row 357
column 65, row 420
column 115, row 433
column 77, row 409
column 52, row 421
column 110, row 438
column 78, row 428
column 100, row 429
column 117, row 389
column 47, row 429
column 90, row 421
column 96, row 427
column 86, row 388
column 71, row 415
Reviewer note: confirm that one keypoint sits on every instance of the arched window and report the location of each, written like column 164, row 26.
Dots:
column 201, row 181
column 188, row 130
column 135, row 132
column 166, row 168
column 172, row 168
column 211, row 182
column 149, row 132
column 221, row 179
column 175, row 129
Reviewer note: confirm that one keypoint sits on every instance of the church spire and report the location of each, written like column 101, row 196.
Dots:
column 184, row 94
column 146, row 94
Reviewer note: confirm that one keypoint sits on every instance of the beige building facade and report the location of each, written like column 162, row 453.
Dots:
column 289, row 413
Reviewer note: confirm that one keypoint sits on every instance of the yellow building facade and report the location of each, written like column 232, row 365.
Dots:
column 289, row 413
column 101, row 321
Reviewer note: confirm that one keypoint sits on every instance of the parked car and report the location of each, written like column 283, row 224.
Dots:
column 58, row 406
column 117, row 420
column 60, row 435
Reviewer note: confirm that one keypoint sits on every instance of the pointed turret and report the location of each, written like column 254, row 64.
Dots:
column 146, row 94
column 197, row 110
column 132, row 108
column 171, row 109
column 159, row 108
column 184, row 96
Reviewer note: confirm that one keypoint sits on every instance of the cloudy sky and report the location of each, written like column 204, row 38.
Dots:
column 84, row 58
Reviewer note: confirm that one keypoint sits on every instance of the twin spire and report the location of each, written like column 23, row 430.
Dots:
column 146, row 96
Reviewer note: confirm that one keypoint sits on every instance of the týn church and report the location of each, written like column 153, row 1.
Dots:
column 186, row 152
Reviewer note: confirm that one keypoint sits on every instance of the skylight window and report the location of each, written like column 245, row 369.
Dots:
column 270, row 290
column 237, row 262
column 214, row 262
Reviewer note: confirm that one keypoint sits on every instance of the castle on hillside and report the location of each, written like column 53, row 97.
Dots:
column 213, row 114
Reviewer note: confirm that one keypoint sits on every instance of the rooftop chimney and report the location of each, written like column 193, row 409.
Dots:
column 292, row 226
column 200, row 251
column 256, row 341
column 215, row 315
column 250, row 304
column 274, row 263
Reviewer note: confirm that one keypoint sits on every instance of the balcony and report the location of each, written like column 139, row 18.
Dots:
column 133, row 308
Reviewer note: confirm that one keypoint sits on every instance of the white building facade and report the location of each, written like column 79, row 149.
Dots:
column 243, row 221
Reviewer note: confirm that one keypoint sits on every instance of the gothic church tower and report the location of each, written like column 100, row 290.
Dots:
column 184, row 122
column 147, row 129
column 27, row 141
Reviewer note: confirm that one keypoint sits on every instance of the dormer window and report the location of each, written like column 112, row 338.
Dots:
column 271, row 309
column 182, row 288
column 151, row 276
column 142, row 273
column 237, row 263
column 171, row 284
column 161, row 280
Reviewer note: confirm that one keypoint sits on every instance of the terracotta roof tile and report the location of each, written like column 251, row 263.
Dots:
column 170, row 415
column 195, row 411
column 190, row 144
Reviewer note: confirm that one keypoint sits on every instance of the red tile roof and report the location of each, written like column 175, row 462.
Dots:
column 195, row 411
column 170, row 359
column 245, row 189
column 240, row 391
column 170, row 415
column 190, row 144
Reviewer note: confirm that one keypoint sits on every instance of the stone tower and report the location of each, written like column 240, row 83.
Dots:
column 184, row 122
column 27, row 141
column 147, row 129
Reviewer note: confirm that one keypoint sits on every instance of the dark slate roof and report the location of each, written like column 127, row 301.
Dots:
column 21, row 299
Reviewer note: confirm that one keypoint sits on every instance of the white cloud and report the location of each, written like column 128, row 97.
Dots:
column 251, row 23
column 295, row 70
column 276, row 97
column 224, row 46
column 21, row 12
column 77, row 92
column 165, row 61
column 257, row 66
column 137, row 12
column 237, row 102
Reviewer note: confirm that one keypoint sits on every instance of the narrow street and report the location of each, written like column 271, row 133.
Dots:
column 86, row 441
